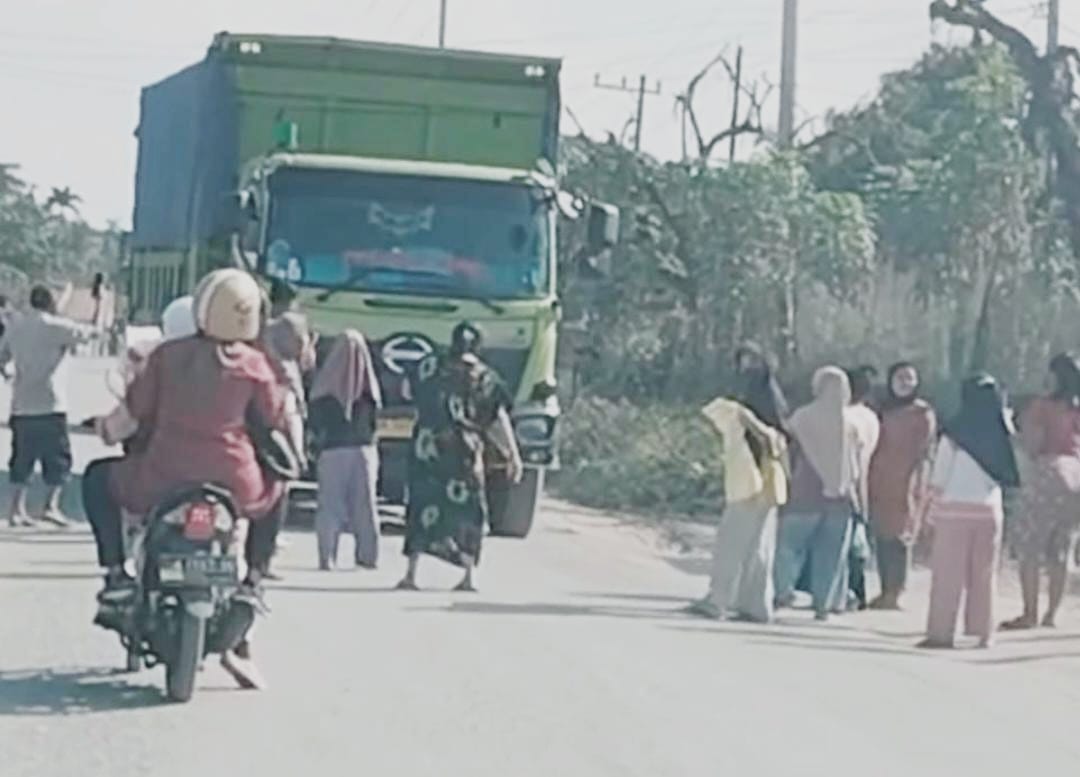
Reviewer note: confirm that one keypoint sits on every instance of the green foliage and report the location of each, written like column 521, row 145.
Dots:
column 616, row 455
column 46, row 240
column 709, row 256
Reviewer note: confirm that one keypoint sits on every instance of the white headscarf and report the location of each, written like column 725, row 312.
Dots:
column 825, row 433
column 178, row 319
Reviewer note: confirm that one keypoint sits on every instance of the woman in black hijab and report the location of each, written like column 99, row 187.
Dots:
column 973, row 464
column 759, row 391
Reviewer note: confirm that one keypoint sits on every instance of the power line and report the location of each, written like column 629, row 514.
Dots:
column 641, row 90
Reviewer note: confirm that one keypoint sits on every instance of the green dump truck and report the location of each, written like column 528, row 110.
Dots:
column 400, row 189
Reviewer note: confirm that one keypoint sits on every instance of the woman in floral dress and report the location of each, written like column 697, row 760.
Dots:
column 463, row 422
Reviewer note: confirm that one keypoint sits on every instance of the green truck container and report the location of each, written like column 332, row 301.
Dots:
column 400, row 189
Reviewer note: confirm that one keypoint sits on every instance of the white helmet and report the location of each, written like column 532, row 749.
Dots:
column 178, row 319
column 228, row 306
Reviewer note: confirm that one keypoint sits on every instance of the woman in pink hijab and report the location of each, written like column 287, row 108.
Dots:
column 344, row 399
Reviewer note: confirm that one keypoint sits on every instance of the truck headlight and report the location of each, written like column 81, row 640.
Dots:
column 533, row 429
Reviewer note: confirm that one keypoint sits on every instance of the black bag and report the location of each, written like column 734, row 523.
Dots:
column 273, row 450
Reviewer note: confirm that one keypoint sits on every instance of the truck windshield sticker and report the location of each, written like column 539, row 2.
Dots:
column 401, row 224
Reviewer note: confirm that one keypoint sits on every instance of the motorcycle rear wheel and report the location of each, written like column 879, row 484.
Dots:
column 181, row 671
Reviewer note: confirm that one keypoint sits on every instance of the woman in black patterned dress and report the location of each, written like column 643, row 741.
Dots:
column 463, row 421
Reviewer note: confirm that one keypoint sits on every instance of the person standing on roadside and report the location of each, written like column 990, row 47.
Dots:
column 39, row 343
column 463, row 415
column 741, row 583
column 1049, row 509
column 974, row 462
column 345, row 399
column 867, row 433
column 815, row 525
column 897, row 472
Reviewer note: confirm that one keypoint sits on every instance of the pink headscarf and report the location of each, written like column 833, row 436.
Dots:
column 348, row 374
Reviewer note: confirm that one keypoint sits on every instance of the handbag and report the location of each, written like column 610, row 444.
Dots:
column 273, row 451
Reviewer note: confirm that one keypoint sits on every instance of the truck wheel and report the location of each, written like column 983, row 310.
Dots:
column 180, row 672
column 513, row 507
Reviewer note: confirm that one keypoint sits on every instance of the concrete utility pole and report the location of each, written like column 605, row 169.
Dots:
column 442, row 24
column 787, row 73
column 641, row 91
column 1053, row 27
column 735, row 104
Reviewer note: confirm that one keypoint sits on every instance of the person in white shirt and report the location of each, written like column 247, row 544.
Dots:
column 40, row 342
column 867, row 432
column 974, row 461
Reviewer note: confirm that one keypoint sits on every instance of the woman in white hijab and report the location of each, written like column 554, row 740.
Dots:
column 815, row 524
column 177, row 322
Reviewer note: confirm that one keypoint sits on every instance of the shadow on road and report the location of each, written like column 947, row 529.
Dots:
column 547, row 609
column 71, row 692
column 635, row 597
column 315, row 589
column 50, row 576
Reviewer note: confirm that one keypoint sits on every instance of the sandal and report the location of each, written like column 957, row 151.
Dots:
column 1022, row 623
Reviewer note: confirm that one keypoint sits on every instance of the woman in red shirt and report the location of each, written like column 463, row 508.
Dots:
column 1050, row 500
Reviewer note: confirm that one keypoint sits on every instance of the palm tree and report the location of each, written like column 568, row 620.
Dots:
column 64, row 199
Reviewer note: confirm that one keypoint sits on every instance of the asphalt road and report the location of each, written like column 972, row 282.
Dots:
column 572, row 660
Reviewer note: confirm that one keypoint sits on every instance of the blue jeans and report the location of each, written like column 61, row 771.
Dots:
column 823, row 536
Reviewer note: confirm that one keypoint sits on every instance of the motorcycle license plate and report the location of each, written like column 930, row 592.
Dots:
column 198, row 570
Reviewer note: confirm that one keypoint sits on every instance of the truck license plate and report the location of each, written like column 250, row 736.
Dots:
column 395, row 428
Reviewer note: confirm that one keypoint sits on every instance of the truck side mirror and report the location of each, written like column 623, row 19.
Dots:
column 602, row 227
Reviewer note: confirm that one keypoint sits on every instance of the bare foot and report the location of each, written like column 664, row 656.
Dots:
column 243, row 671
column 465, row 586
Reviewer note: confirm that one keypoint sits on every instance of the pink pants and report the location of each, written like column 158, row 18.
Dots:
column 964, row 560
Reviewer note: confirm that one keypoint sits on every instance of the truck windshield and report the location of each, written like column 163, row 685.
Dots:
column 407, row 234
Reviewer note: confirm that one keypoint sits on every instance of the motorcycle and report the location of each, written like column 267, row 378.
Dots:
column 188, row 601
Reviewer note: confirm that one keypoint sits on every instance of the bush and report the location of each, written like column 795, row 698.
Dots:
column 616, row 455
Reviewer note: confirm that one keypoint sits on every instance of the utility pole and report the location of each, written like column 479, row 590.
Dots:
column 642, row 90
column 735, row 104
column 442, row 24
column 788, row 66
column 1053, row 27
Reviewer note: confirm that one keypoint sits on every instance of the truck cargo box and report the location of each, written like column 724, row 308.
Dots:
column 200, row 126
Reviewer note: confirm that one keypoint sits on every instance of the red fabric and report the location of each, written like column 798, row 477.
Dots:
column 190, row 403
column 1050, row 427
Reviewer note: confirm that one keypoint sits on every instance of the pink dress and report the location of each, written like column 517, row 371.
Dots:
column 190, row 405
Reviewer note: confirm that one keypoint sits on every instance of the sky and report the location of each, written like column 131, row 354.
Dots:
column 71, row 70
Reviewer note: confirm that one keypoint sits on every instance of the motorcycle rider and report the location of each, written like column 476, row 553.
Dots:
column 191, row 404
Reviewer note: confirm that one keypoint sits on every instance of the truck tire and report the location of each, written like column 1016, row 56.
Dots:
column 181, row 671
column 513, row 507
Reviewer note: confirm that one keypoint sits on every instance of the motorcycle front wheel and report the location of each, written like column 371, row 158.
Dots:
column 180, row 672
